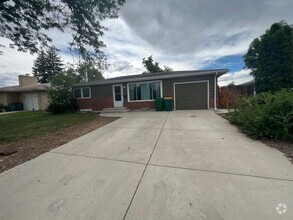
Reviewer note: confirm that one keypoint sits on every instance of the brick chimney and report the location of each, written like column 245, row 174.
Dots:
column 26, row 80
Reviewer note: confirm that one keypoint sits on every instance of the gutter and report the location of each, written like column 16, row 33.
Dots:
column 215, row 92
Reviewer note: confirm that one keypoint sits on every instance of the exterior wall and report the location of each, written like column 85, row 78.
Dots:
column 101, row 97
column 43, row 100
column 12, row 97
column 3, row 98
column 140, row 105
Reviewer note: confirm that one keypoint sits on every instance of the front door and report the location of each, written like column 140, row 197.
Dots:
column 118, row 95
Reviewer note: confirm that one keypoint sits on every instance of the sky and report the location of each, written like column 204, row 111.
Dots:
column 184, row 35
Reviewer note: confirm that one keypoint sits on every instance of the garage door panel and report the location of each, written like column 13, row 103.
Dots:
column 191, row 96
column 31, row 101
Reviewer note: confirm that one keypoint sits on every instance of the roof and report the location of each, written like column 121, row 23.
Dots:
column 155, row 76
column 248, row 83
column 38, row 87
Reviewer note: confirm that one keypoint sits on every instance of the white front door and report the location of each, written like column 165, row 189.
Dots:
column 31, row 101
column 118, row 95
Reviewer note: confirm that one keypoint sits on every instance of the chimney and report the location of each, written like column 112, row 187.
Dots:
column 26, row 80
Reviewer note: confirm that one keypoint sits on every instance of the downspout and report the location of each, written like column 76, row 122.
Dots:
column 215, row 92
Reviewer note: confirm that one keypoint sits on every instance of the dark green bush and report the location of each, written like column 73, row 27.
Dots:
column 266, row 115
column 70, row 106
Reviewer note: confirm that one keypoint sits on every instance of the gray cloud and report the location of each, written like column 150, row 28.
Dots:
column 189, row 26
column 8, row 79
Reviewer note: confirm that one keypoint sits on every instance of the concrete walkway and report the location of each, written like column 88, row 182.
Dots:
column 153, row 165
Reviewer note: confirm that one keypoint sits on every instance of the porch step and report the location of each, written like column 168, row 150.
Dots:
column 115, row 110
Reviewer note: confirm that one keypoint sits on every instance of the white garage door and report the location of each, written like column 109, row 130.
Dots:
column 31, row 101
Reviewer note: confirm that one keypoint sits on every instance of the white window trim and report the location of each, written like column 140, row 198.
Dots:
column 81, row 92
column 147, row 100
column 191, row 82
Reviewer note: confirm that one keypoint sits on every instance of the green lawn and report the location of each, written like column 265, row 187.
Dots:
column 23, row 125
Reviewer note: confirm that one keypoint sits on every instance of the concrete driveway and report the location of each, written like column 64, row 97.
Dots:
column 153, row 165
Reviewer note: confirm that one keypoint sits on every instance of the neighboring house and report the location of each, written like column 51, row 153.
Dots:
column 33, row 95
column 247, row 88
column 196, row 89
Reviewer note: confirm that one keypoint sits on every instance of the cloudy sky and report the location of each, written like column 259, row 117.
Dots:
column 185, row 35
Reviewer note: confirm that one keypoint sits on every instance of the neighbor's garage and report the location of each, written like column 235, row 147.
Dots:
column 31, row 101
column 191, row 95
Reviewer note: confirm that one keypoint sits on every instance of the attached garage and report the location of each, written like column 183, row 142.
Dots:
column 191, row 95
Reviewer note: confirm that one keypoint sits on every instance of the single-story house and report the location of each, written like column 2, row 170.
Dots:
column 195, row 89
column 33, row 95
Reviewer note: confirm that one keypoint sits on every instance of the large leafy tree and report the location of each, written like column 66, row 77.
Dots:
column 27, row 23
column 152, row 67
column 270, row 58
column 47, row 65
column 88, row 71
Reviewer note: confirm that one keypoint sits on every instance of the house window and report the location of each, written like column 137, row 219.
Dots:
column 144, row 91
column 82, row 93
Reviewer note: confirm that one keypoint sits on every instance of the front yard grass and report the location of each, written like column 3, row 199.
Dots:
column 26, row 135
column 22, row 125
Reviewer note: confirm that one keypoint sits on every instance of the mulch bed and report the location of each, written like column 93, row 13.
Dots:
column 285, row 147
column 15, row 153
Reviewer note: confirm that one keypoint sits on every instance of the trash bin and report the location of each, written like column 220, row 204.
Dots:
column 168, row 104
column 12, row 107
column 19, row 106
column 159, row 104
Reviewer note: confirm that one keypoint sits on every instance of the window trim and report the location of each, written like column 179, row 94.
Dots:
column 81, row 92
column 141, row 82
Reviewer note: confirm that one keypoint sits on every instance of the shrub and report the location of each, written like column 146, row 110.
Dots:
column 66, row 107
column 61, row 99
column 266, row 115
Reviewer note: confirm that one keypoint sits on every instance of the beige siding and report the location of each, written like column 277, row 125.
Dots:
column 12, row 98
column 43, row 100
column 3, row 98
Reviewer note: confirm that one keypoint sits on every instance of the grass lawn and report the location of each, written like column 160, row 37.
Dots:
column 24, row 125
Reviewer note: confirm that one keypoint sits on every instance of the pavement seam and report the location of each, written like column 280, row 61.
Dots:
column 221, row 172
column 173, row 129
column 145, row 167
column 99, row 158
column 133, row 128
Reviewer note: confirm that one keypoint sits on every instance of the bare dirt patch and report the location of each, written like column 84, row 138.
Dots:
column 24, row 150
column 285, row 147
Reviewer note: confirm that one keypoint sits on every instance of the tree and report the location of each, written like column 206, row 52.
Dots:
column 153, row 67
column 61, row 98
column 270, row 58
column 88, row 71
column 47, row 65
column 27, row 23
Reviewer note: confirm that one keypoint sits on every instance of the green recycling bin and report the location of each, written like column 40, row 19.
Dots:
column 19, row 106
column 168, row 104
column 12, row 107
column 159, row 104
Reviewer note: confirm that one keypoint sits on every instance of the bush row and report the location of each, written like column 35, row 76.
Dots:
column 266, row 115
